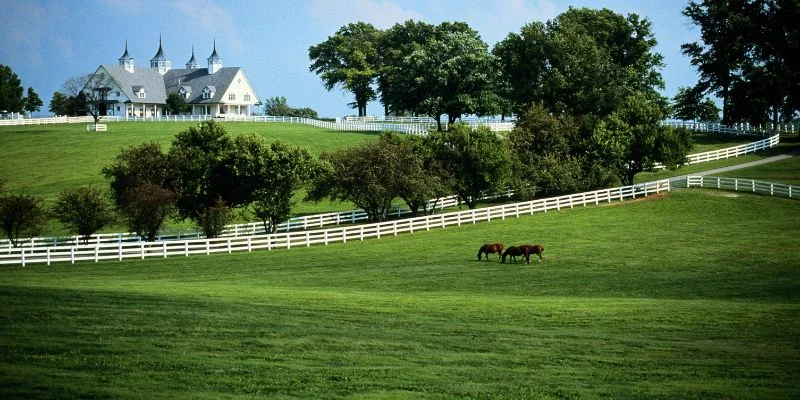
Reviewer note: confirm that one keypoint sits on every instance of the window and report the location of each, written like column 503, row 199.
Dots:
column 206, row 95
column 231, row 97
column 247, row 97
column 141, row 94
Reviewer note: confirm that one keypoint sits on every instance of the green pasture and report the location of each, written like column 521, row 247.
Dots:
column 43, row 160
column 693, row 295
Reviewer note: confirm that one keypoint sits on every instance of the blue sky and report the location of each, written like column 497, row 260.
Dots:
column 48, row 41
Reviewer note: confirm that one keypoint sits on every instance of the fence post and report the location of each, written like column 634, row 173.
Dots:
column 72, row 255
column 48, row 256
column 22, row 256
column 119, row 250
column 164, row 248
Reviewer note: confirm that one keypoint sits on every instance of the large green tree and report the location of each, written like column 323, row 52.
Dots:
column 349, row 58
column 583, row 62
column 725, row 27
column 436, row 70
column 84, row 210
column 22, row 217
column 689, row 105
column 11, row 91
column 369, row 175
column 198, row 157
column 176, row 104
column 478, row 160
column 32, row 101
column 59, row 104
column 142, row 187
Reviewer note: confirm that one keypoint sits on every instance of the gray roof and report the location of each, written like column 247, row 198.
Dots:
column 160, row 54
column 198, row 79
column 148, row 78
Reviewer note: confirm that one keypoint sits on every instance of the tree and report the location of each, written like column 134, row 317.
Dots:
column 632, row 139
column 84, row 210
column 584, row 62
column 724, row 28
column 349, row 58
column 547, row 154
column 23, row 217
column 436, row 70
column 212, row 220
column 368, row 175
column 145, row 207
column 201, row 176
column 281, row 171
column 59, row 104
column 142, row 188
column 32, row 101
column 96, row 95
column 277, row 106
column 423, row 177
column 176, row 104
column 479, row 161
column 11, row 99
column 689, row 105
column 72, row 88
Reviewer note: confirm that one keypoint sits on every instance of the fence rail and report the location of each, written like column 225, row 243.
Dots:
column 121, row 251
column 730, row 152
column 742, row 185
column 736, row 129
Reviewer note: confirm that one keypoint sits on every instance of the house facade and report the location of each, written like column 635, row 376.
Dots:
column 142, row 92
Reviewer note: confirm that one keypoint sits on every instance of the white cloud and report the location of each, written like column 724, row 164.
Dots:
column 380, row 13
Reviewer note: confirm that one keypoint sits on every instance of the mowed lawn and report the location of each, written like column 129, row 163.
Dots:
column 43, row 160
column 690, row 295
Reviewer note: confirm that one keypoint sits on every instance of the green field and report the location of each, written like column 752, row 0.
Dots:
column 43, row 160
column 691, row 295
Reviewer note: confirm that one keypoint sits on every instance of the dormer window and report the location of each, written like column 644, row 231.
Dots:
column 185, row 92
column 140, row 92
column 208, row 92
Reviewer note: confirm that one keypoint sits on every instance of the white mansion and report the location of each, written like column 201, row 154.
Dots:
column 142, row 92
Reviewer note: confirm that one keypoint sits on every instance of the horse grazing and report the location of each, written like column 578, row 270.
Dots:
column 489, row 249
column 515, row 251
column 533, row 249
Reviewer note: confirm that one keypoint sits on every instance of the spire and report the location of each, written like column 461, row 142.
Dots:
column 159, row 61
column 214, row 62
column 192, row 63
column 126, row 61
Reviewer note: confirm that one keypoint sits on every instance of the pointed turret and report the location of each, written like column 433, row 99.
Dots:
column 159, row 62
column 126, row 61
column 192, row 63
column 214, row 62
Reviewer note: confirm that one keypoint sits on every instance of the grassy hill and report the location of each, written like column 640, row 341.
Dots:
column 43, row 160
column 693, row 295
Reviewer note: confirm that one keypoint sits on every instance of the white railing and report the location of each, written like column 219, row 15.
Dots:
column 736, row 129
column 744, row 185
column 730, row 152
column 245, row 229
column 44, row 121
column 141, row 250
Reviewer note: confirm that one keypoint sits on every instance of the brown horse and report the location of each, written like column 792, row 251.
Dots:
column 489, row 249
column 533, row 249
column 513, row 252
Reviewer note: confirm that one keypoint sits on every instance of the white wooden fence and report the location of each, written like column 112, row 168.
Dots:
column 731, row 152
column 122, row 250
column 736, row 129
column 743, row 185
